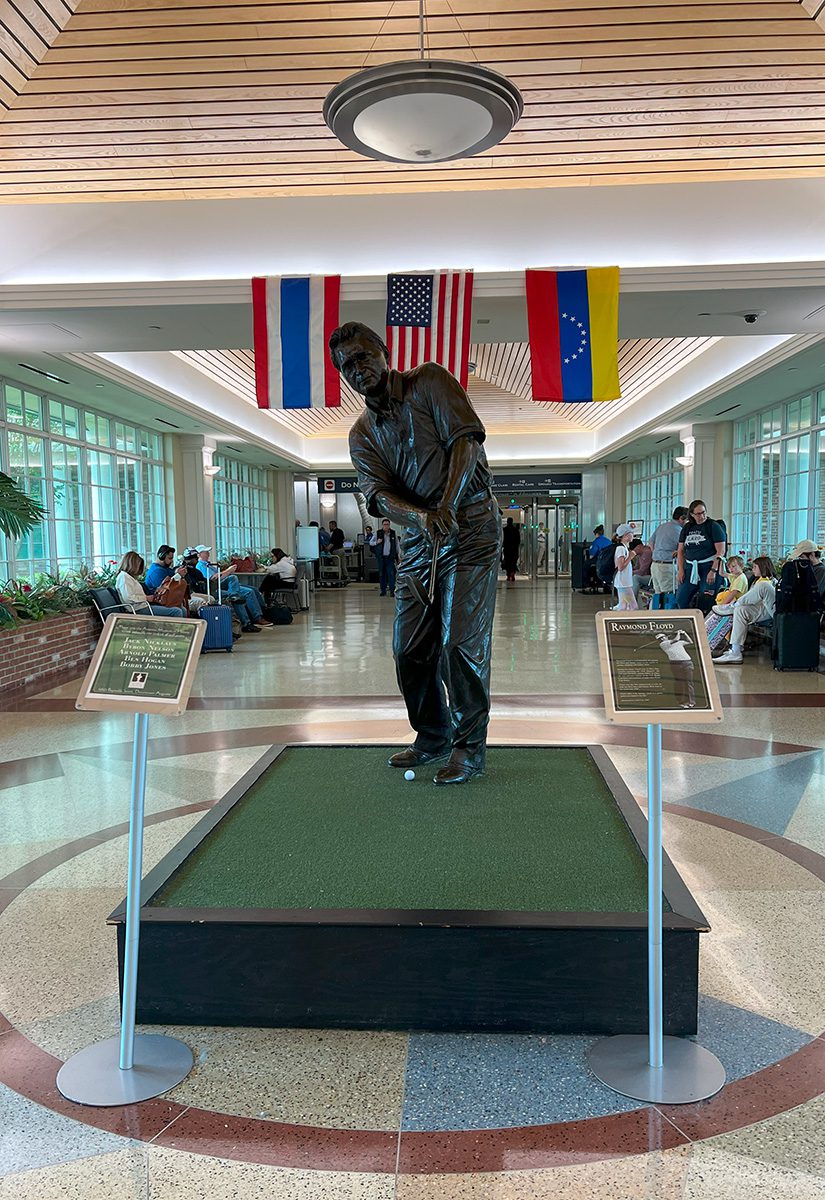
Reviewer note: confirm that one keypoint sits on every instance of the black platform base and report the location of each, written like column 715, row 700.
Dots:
column 385, row 969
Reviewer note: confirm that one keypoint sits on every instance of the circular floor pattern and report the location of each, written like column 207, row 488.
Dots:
column 783, row 1085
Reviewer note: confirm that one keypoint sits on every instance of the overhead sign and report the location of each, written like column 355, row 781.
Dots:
column 548, row 482
column 338, row 484
column 143, row 664
column 657, row 668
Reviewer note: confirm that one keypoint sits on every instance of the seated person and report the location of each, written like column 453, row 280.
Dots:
column 757, row 604
column 198, row 588
column 131, row 591
column 819, row 571
column 641, row 565
column 249, row 603
column 161, row 570
column 280, row 573
column 599, row 542
column 738, row 582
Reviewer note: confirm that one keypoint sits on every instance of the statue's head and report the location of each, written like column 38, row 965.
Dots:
column 361, row 357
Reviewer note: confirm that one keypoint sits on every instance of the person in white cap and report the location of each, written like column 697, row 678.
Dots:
column 805, row 549
column 248, row 602
column 623, row 558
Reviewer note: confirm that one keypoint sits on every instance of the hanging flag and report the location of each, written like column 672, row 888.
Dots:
column 292, row 321
column 428, row 320
column 573, row 320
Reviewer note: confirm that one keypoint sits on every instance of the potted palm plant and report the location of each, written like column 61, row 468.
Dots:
column 18, row 512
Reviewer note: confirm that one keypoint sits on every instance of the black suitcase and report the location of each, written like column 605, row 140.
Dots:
column 582, row 573
column 796, row 641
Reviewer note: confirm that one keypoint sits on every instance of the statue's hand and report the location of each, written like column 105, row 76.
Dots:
column 440, row 523
column 444, row 523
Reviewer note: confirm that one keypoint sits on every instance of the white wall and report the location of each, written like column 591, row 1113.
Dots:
column 646, row 225
column 349, row 518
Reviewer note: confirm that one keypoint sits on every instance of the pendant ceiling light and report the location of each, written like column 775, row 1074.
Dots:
column 423, row 110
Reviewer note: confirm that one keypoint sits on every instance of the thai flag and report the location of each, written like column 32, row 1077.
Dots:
column 292, row 322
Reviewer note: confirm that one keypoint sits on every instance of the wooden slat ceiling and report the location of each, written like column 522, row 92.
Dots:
column 27, row 30
column 499, row 388
column 153, row 99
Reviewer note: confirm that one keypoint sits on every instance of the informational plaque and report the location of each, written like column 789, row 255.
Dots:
column 143, row 664
column 657, row 668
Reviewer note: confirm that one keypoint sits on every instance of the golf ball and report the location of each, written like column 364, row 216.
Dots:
column 409, row 775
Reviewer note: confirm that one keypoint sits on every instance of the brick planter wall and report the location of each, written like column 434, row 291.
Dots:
column 43, row 649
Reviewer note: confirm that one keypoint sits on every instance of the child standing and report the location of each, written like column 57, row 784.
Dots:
column 623, row 579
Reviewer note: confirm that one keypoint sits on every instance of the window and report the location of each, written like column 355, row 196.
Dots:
column 655, row 489
column 102, row 483
column 241, row 507
column 779, row 477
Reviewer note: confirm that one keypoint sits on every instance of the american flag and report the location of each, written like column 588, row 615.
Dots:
column 428, row 320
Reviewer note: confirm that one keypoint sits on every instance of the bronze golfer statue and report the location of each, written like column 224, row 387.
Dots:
column 417, row 448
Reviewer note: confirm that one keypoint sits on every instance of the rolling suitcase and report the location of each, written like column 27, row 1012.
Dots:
column 218, row 619
column 662, row 600
column 302, row 590
column 796, row 641
column 718, row 626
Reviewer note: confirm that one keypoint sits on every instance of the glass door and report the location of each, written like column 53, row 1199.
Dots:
column 545, row 541
column 567, row 528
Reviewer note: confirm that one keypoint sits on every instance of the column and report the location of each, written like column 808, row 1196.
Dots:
column 282, row 493
column 615, row 497
column 194, row 495
column 594, row 492
column 708, row 447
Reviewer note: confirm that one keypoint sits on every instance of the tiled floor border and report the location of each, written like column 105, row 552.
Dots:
column 792, row 1081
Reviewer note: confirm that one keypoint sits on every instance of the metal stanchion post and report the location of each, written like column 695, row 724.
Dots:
column 664, row 1070
column 654, row 896
column 128, row 1068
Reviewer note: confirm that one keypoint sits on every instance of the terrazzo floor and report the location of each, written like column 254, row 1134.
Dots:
column 310, row 1114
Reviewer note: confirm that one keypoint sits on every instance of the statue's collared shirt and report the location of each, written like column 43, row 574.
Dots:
column 402, row 442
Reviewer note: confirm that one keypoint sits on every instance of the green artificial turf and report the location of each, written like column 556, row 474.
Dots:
column 335, row 827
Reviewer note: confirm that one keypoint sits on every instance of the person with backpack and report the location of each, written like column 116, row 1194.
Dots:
column 798, row 589
column 700, row 555
column 623, row 558
column 605, row 562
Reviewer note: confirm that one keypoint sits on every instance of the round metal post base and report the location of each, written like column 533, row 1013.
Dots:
column 93, row 1076
column 690, row 1072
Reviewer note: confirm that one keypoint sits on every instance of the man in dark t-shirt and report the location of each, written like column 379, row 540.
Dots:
column 417, row 448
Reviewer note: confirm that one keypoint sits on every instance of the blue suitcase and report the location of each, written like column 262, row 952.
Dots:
column 660, row 600
column 218, row 619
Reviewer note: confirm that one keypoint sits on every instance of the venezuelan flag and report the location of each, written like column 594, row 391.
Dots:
column 573, row 320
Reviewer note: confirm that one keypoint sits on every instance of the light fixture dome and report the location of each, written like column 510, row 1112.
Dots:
column 423, row 111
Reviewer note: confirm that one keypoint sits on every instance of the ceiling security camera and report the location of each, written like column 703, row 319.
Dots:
column 751, row 318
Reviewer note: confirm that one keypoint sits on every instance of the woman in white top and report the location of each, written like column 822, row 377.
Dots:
column 131, row 593
column 623, row 558
column 757, row 604
column 281, row 566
